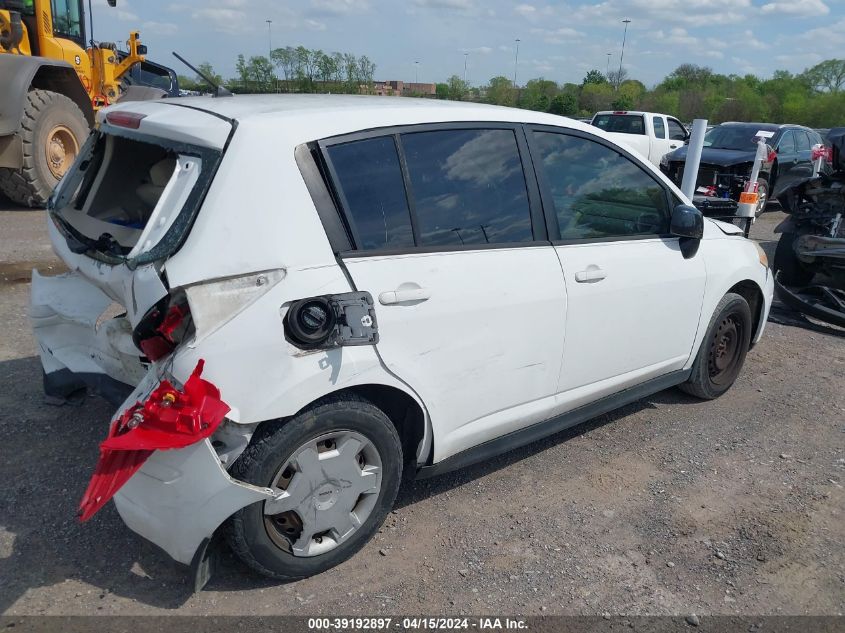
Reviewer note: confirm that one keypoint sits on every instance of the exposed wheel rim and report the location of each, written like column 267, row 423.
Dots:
column 726, row 350
column 762, row 197
column 61, row 150
column 328, row 488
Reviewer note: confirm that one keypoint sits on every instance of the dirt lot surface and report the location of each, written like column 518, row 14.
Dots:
column 668, row 506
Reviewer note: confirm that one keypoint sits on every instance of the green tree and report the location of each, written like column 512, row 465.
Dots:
column 564, row 104
column 827, row 76
column 594, row 77
column 500, row 91
column 458, row 88
column 442, row 91
column 596, row 96
column 538, row 94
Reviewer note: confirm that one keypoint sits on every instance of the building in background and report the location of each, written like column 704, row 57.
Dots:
column 400, row 88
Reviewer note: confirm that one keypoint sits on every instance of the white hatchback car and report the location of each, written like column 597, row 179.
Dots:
column 317, row 292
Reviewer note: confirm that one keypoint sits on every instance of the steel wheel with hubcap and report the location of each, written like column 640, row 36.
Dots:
column 336, row 468
column 329, row 488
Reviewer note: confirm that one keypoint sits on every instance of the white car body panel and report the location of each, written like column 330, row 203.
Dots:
column 474, row 355
column 469, row 356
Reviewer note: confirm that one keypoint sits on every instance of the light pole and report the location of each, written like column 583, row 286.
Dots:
column 622, row 56
column 416, row 72
column 607, row 72
column 269, row 38
column 466, row 55
column 515, row 63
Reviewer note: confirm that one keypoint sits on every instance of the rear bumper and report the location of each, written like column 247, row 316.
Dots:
column 179, row 498
column 75, row 350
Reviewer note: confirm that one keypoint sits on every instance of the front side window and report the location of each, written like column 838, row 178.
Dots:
column 468, row 187
column 369, row 178
column 67, row 20
column 802, row 141
column 597, row 192
column 659, row 128
column 787, row 143
column 676, row 131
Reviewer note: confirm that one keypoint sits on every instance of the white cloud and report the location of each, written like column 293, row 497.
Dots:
column 160, row 28
column 478, row 50
column 803, row 8
column 339, row 7
column 453, row 5
column 223, row 19
column 315, row 25
column 525, row 10
column 558, row 36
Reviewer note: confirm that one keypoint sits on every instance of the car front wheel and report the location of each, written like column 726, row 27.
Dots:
column 336, row 468
column 723, row 350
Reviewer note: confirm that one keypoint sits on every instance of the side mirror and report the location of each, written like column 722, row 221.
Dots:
column 688, row 224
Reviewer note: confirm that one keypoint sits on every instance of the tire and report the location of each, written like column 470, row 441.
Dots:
column 718, row 361
column 791, row 270
column 53, row 128
column 762, row 196
column 274, row 458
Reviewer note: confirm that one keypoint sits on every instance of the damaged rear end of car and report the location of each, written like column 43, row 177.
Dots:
column 113, row 324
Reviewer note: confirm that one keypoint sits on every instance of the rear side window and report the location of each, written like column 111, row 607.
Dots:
column 369, row 178
column 659, row 128
column 597, row 192
column 802, row 141
column 623, row 123
column 468, row 187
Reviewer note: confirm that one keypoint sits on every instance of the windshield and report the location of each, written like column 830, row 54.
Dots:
column 732, row 137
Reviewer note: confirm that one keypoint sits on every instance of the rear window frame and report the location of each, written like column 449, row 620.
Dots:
column 345, row 245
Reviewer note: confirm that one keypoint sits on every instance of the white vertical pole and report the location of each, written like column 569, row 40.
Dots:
column 696, row 144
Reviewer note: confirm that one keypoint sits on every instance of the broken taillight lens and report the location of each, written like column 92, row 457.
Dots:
column 162, row 328
column 169, row 418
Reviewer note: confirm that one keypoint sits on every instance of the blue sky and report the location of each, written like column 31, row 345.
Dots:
column 559, row 41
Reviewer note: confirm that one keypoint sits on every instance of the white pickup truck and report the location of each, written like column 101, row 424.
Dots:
column 652, row 134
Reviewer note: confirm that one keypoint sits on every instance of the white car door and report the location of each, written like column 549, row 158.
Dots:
column 470, row 299
column 660, row 140
column 633, row 299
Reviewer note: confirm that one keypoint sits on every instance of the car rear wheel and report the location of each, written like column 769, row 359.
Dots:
column 723, row 350
column 336, row 468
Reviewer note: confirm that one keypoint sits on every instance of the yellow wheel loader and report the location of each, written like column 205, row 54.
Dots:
column 52, row 82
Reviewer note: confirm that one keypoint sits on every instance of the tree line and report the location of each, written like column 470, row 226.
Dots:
column 814, row 97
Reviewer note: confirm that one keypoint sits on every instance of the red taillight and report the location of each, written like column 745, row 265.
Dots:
column 131, row 120
column 168, row 419
column 621, row 112
column 162, row 329
column 772, row 156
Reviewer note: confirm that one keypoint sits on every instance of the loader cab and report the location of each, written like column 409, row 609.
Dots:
column 69, row 20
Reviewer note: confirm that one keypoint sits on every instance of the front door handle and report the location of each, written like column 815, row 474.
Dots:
column 591, row 275
column 673, row 147
column 404, row 295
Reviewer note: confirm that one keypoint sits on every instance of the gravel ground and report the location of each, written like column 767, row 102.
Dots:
column 668, row 506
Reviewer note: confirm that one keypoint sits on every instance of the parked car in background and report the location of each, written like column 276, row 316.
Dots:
column 728, row 155
column 651, row 134
column 367, row 309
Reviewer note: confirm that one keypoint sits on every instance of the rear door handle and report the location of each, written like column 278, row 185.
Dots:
column 404, row 295
column 591, row 275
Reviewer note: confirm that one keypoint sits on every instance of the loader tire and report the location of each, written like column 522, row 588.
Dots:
column 53, row 128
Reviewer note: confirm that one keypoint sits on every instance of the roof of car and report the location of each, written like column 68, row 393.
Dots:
column 763, row 126
column 242, row 107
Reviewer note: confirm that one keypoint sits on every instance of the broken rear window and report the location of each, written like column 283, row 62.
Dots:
column 132, row 196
